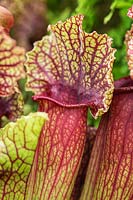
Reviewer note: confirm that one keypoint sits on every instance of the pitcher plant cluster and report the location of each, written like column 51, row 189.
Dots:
column 48, row 155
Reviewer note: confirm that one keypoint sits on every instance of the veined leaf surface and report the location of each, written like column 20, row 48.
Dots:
column 11, row 64
column 18, row 143
column 72, row 67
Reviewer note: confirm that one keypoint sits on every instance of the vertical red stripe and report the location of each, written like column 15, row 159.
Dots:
column 58, row 153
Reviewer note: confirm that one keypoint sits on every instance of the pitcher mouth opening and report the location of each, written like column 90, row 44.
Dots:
column 70, row 96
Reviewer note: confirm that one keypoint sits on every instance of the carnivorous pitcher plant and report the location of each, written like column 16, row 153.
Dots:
column 17, row 139
column 69, row 71
column 110, row 170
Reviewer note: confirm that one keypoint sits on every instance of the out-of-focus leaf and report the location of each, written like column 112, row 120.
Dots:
column 18, row 143
column 89, row 10
column 72, row 67
column 109, row 16
column 59, row 10
column 116, row 4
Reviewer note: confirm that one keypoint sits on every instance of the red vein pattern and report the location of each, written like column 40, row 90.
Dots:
column 18, row 143
column 11, row 64
column 72, row 67
column 58, row 153
column 11, row 69
column 68, row 71
column 110, row 172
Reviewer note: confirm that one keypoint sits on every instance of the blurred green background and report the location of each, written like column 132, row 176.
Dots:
column 103, row 16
